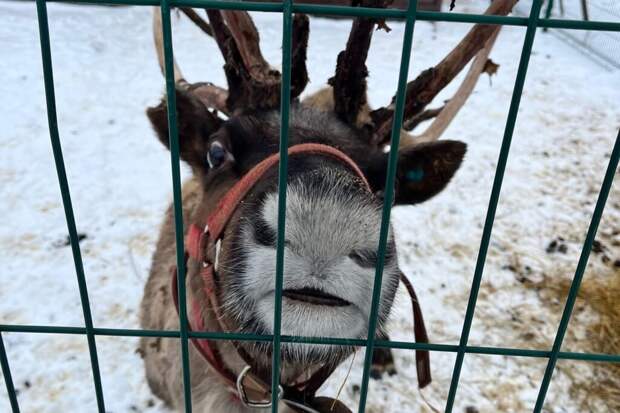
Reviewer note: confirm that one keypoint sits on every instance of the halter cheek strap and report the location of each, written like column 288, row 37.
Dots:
column 203, row 238
column 217, row 221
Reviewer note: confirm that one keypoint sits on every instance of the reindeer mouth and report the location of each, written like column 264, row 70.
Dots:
column 314, row 296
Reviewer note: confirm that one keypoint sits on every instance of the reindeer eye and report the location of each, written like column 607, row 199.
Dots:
column 366, row 258
column 216, row 155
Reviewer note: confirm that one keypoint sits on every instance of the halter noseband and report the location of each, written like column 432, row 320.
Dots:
column 204, row 239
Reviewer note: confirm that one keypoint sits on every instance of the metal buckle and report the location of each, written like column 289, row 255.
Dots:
column 244, row 397
column 218, row 247
column 205, row 263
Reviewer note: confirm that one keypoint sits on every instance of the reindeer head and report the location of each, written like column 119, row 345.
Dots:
column 333, row 218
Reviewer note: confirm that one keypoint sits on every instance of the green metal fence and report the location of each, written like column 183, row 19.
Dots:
column 287, row 8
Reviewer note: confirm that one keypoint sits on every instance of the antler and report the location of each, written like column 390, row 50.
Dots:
column 212, row 96
column 299, row 72
column 449, row 111
column 422, row 90
column 349, row 81
column 198, row 21
column 252, row 83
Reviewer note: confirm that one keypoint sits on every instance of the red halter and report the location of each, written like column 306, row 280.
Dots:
column 203, row 239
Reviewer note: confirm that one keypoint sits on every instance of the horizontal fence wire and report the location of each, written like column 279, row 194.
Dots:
column 366, row 12
column 402, row 345
column 604, row 47
column 287, row 8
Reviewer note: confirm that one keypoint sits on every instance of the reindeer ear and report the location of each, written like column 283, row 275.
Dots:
column 194, row 122
column 423, row 170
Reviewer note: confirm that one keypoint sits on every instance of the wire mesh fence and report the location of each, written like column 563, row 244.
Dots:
column 532, row 23
column 603, row 46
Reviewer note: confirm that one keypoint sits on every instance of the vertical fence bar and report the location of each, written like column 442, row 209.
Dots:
column 173, row 136
column 584, row 10
column 389, row 196
column 285, row 105
column 8, row 380
column 548, row 11
column 494, row 199
column 579, row 272
column 52, row 120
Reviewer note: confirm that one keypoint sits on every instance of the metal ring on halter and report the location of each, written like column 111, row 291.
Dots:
column 243, row 395
column 204, row 261
column 218, row 247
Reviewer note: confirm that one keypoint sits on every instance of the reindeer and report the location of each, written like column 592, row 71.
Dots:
column 335, row 186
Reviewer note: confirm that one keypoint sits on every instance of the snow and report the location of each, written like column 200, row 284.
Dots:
column 106, row 75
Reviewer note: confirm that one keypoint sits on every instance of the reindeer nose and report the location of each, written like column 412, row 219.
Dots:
column 319, row 274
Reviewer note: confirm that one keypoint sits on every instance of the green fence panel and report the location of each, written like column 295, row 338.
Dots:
column 287, row 8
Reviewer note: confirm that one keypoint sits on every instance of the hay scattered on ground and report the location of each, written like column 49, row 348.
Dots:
column 594, row 326
column 598, row 295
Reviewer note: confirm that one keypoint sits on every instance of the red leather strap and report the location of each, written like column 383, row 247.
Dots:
column 422, row 357
column 210, row 353
column 226, row 206
column 195, row 243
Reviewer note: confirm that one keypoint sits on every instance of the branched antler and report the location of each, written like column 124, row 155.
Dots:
column 252, row 83
column 159, row 48
column 244, row 90
column 198, row 21
column 349, row 81
column 450, row 110
column 422, row 90
column 299, row 72
column 411, row 124
column 213, row 97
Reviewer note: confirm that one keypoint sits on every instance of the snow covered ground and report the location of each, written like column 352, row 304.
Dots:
column 106, row 75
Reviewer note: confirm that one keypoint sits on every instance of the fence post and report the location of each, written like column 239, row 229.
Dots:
column 548, row 13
